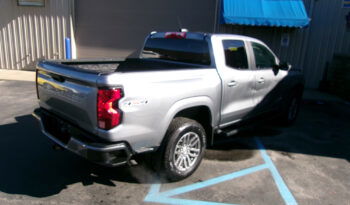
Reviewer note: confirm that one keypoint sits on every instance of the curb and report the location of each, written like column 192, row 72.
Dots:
column 17, row 75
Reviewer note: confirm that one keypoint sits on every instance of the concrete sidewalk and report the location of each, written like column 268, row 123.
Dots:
column 17, row 75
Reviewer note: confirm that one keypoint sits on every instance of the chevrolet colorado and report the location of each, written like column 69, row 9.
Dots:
column 183, row 90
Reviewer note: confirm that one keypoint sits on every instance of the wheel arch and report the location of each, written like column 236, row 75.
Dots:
column 200, row 109
column 202, row 115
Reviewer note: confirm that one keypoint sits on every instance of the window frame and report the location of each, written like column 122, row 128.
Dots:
column 246, row 48
column 268, row 49
column 205, row 42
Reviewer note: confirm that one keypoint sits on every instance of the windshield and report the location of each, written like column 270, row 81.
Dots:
column 180, row 50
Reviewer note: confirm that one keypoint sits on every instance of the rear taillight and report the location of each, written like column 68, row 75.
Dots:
column 176, row 35
column 108, row 114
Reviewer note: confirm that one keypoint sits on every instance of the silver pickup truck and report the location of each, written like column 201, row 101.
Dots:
column 185, row 89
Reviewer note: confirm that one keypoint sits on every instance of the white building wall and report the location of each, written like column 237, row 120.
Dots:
column 29, row 33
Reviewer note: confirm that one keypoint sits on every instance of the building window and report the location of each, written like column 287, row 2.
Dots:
column 31, row 2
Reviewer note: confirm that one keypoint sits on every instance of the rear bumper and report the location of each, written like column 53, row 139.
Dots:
column 72, row 138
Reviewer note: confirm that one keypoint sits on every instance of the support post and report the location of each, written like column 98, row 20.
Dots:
column 68, row 48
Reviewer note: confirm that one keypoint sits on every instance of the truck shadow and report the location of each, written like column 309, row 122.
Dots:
column 30, row 167
column 322, row 129
column 240, row 146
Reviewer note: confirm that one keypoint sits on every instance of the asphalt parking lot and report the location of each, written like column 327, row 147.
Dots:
column 307, row 163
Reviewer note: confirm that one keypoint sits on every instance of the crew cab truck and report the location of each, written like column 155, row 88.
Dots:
column 183, row 90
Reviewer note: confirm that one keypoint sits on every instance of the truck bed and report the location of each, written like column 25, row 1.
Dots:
column 69, row 88
column 107, row 66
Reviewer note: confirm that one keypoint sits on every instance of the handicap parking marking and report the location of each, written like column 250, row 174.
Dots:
column 165, row 197
column 155, row 196
column 281, row 185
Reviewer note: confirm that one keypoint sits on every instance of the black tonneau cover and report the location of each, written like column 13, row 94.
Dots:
column 120, row 65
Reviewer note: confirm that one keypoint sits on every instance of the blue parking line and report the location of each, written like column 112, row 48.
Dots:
column 281, row 185
column 167, row 197
column 176, row 201
column 154, row 196
column 155, row 188
column 213, row 181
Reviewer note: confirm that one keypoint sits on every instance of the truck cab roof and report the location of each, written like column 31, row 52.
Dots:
column 199, row 35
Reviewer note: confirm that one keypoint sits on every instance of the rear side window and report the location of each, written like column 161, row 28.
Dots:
column 179, row 50
column 235, row 54
column 263, row 57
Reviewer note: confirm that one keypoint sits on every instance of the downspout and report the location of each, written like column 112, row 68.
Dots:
column 72, row 29
column 217, row 12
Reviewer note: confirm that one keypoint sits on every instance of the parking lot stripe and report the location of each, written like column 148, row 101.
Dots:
column 281, row 185
column 154, row 196
column 177, row 201
column 213, row 181
column 154, row 189
column 166, row 197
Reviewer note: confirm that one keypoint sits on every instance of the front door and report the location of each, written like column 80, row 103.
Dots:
column 267, row 78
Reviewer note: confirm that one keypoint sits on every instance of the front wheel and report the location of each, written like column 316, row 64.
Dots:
column 184, row 150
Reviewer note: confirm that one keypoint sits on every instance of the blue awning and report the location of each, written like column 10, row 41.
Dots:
column 287, row 13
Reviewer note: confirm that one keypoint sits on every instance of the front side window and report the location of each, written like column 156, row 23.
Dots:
column 263, row 57
column 235, row 54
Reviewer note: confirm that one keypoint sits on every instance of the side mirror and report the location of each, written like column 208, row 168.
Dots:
column 285, row 66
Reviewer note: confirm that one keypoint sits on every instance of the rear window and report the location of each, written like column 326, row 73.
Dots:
column 179, row 50
column 235, row 54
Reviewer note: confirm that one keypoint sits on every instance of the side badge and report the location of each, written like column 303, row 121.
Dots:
column 133, row 103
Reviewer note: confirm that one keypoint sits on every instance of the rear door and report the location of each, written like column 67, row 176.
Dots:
column 237, row 78
column 267, row 77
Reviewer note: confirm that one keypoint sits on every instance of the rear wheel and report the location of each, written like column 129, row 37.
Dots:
column 184, row 150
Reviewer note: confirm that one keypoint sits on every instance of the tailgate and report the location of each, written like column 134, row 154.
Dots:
column 69, row 93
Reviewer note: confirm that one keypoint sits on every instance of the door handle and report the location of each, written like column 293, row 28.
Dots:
column 261, row 80
column 232, row 83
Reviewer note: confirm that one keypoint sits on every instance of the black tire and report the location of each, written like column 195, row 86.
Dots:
column 179, row 128
column 291, row 111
